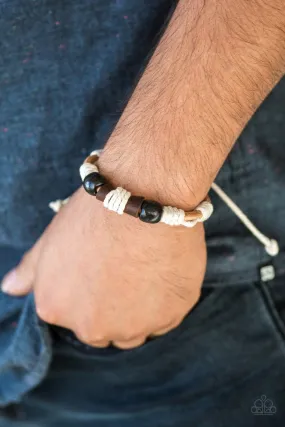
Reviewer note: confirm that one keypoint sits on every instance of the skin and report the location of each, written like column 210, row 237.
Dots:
column 131, row 279
column 111, row 278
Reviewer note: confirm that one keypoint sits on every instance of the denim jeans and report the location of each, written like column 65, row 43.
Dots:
column 212, row 371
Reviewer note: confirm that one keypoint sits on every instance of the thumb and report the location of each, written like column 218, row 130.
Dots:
column 19, row 281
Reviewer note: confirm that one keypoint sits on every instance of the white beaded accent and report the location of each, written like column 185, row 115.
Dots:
column 206, row 208
column 175, row 216
column 172, row 216
column 96, row 153
column 190, row 224
column 87, row 168
column 117, row 199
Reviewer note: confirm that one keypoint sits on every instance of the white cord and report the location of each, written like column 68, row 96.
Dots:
column 87, row 168
column 175, row 216
column 271, row 245
column 96, row 152
column 117, row 199
column 56, row 205
column 172, row 216
column 206, row 208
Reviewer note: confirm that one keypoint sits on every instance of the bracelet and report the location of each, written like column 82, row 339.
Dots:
column 121, row 201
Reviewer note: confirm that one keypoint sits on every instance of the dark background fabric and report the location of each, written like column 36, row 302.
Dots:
column 67, row 68
column 208, row 372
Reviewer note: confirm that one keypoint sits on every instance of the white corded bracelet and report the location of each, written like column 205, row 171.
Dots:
column 121, row 201
column 117, row 200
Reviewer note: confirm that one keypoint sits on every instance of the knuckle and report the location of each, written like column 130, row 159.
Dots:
column 127, row 333
column 127, row 345
column 83, row 337
column 130, row 334
column 172, row 322
column 127, row 336
column 164, row 330
column 101, row 344
column 46, row 313
column 177, row 322
column 88, row 335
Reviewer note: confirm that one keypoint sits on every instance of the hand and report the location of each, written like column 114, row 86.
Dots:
column 111, row 278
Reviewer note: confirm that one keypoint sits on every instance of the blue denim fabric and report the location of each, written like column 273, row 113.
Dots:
column 25, row 342
column 67, row 69
column 227, row 353
column 25, row 347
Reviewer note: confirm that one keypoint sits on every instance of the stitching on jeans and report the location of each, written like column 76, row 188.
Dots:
column 273, row 312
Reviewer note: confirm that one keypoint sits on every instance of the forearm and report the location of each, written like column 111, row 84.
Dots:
column 213, row 67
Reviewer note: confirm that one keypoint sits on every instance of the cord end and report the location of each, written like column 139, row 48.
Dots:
column 56, row 205
column 272, row 248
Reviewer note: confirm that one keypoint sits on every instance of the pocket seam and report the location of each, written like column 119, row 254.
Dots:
column 272, row 311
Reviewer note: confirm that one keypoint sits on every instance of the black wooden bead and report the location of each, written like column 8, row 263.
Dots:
column 151, row 212
column 92, row 182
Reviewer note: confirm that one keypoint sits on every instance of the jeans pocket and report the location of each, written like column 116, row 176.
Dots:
column 273, row 294
column 152, row 346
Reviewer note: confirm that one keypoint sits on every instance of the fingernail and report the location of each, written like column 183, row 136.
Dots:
column 10, row 283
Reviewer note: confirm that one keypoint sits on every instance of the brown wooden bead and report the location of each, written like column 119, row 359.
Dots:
column 92, row 182
column 103, row 191
column 193, row 215
column 133, row 207
column 91, row 159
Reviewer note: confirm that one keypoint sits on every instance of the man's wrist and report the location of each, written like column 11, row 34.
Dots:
column 154, row 177
column 209, row 73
